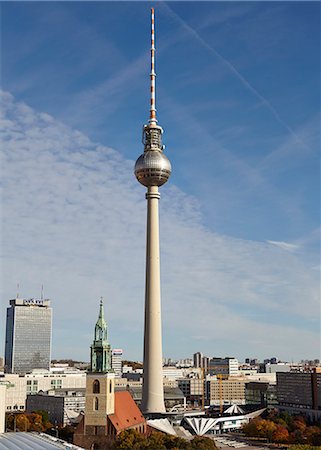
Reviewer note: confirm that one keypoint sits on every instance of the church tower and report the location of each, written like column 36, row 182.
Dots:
column 99, row 381
column 100, row 360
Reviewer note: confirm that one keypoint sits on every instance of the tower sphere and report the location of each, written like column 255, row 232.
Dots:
column 152, row 168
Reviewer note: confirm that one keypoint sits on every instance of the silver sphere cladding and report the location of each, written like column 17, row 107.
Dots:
column 152, row 168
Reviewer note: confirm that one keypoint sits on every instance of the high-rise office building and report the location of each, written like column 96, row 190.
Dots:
column 28, row 335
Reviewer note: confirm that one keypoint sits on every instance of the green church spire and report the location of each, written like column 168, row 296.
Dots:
column 100, row 360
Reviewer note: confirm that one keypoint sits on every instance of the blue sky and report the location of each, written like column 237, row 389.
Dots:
column 238, row 90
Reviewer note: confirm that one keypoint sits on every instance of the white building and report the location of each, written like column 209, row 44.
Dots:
column 19, row 386
column 172, row 373
column 116, row 361
column 2, row 407
column 233, row 366
column 279, row 367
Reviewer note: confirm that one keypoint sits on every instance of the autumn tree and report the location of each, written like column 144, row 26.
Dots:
column 280, row 434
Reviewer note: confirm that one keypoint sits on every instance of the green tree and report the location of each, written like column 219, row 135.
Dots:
column 128, row 440
column 202, row 443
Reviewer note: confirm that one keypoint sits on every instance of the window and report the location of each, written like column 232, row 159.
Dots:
column 110, row 387
column 56, row 384
column 96, row 387
column 96, row 404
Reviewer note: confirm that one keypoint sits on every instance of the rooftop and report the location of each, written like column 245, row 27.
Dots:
column 127, row 414
column 36, row 441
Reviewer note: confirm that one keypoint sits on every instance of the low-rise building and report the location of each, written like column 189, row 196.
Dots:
column 19, row 386
column 62, row 405
column 278, row 367
column 192, row 389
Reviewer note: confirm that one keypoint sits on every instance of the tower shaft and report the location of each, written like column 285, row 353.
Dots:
column 153, row 394
column 152, row 169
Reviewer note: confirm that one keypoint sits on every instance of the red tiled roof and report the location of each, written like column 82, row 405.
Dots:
column 127, row 414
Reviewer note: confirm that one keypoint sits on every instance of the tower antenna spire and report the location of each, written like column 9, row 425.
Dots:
column 152, row 116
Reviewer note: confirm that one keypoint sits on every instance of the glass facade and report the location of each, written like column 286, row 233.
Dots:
column 28, row 336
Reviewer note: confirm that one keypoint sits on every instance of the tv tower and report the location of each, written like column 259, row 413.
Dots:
column 152, row 169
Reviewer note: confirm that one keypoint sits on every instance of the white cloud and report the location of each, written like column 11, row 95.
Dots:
column 284, row 245
column 73, row 218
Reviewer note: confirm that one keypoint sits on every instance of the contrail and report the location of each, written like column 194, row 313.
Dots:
column 238, row 75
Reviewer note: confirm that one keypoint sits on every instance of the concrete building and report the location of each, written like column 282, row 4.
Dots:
column 278, row 367
column 19, row 386
column 219, row 425
column 197, row 359
column 28, row 335
column 62, row 405
column 2, row 407
column 300, row 393
column 172, row 373
column 152, row 170
column 116, row 361
column 193, row 390
column 228, row 391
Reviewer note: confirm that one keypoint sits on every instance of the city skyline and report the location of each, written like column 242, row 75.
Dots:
column 241, row 120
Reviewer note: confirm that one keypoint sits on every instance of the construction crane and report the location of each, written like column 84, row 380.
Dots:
column 220, row 385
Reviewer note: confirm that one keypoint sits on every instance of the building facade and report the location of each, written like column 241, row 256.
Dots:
column 116, row 361
column 19, row 386
column 62, row 405
column 225, row 392
column 260, row 394
column 223, row 366
column 300, row 393
column 28, row 335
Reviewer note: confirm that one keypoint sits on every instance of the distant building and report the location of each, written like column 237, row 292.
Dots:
column 260, row 394
column 62, row 405
column 300, row 393
column 201, row 361
column 192, row 389
column 173, row 395
column 228, row 391
column 116, row 361
column 223, row 366
column 277, row 367
column 172, row 373
column 28, row 335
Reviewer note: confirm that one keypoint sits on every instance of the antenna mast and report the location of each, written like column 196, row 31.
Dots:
column 152, row 117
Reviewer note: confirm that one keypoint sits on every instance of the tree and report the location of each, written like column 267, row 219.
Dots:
column 280, row 434
column 35, row 421
column 251, row 428
column 22, row 422
column 128, row 440
column 202, row 443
